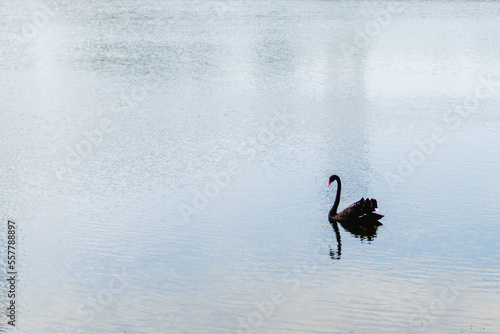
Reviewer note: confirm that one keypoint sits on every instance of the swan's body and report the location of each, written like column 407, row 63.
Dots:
column 361, row 212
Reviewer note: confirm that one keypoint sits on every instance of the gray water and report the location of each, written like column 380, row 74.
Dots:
column 166, row 163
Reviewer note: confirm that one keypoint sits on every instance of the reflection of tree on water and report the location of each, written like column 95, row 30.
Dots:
column 364, row 230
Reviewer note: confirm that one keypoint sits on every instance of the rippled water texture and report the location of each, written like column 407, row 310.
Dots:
column 167, row 165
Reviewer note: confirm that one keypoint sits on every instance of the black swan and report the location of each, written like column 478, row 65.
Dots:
column 360, row 213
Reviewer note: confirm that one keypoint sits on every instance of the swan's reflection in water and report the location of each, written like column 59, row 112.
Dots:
column 364, row 230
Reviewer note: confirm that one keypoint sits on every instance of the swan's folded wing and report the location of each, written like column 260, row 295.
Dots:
column 362, row 207
column 361, row 211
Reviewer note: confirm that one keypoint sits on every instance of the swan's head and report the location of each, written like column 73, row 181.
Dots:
column 333, row 178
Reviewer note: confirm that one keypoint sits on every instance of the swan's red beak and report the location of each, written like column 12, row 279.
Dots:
column 329, row 182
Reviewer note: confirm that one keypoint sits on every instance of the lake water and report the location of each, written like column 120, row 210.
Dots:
column 166, row 164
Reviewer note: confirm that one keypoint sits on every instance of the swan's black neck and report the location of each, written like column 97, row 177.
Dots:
column 335, row 206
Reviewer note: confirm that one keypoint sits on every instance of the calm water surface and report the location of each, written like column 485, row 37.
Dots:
column 167, row 164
